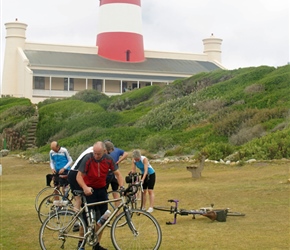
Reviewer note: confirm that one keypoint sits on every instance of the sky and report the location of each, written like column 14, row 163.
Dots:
column 254, row 32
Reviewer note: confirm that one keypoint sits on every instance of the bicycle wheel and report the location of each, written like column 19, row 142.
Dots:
column 147, row 232
column 57, row 232
column 51, row 204
column 44, row 193
column 165, row 209
column 235, row 214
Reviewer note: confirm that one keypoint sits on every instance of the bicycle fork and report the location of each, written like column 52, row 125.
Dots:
column 129, row 221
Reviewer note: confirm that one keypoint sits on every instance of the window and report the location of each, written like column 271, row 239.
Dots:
column 39, row 82
column 68, row 82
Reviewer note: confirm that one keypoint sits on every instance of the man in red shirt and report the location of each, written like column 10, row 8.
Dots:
column 91, row 176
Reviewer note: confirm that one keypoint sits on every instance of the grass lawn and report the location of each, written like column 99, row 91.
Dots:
column 260, row 190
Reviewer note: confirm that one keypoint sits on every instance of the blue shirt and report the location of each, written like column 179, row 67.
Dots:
column 116, row 154
column 140, row 165
column 60, row 159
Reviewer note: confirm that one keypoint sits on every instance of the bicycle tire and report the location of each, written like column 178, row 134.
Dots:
column 235, row 214
column 44, row 193
column 48, row 206
column 149, row 235
column 164, row 209
column 57, row 232
column 137, row 202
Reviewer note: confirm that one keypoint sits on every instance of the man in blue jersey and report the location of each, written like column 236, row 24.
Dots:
column 60, row 161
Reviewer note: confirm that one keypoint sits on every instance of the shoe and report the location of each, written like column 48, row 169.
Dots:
column 102, row 248
column 80, row 248
column 150, row 210
column 99, row 247
column 143, row 208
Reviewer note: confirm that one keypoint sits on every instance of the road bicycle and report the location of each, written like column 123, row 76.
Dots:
column 48, row 190
column 55, row 202
column 137, row 198
column 210, row 212
column 131, row 229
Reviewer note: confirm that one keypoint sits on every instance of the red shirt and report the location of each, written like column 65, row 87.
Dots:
column 96, row 171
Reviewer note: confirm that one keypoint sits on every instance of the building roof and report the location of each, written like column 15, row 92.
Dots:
column 90, row 65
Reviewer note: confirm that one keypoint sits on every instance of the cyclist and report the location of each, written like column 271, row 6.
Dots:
column 60, row 161
column 148, row 176
column 91, row 177
column 118, row 156
column 72, row 175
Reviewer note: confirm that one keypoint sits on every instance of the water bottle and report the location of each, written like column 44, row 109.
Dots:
column 66, row 189
column 104, row 217
column 60, row 203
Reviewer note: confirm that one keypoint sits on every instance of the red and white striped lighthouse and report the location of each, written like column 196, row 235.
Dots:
column 120, row 30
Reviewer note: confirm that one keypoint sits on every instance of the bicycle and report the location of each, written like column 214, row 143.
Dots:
column 133, row 178
column 210, row 212
column 54, row 202
column 131, row 229
column 48, row 190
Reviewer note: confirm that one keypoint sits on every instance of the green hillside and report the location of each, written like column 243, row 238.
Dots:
column 227, row 114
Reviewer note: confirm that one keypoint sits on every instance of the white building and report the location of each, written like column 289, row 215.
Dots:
column 40, row 71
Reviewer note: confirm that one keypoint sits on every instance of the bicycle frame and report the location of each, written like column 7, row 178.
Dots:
column 177, row 211
column 91, row 222
column 209, row 212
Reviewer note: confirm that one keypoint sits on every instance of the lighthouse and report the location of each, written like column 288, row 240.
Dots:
column 120, row 35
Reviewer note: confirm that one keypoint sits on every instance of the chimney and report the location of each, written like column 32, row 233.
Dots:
column 15, row 38
column 212, row 47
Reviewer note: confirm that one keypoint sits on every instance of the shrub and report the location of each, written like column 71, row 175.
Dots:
column 229, row 123
column 247, row 134
column 254, row 88
column 157, row 143
column 130, row 99
column 275, row 145
column 15, row 114
column 90, row 95
column 216, row 151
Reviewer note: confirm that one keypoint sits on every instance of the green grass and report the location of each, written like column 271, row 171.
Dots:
column 260, row 190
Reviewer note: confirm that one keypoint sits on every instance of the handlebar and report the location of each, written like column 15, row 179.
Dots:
column 132, row 189
column 173, row 201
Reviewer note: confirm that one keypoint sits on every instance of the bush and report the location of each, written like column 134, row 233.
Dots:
column 247, row 134
column 216, row 151
column 90, row 95
column 157, row 143
column 272, row 146
column 255, row 88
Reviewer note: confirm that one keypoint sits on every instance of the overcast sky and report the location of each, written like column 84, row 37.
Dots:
column 254, row 32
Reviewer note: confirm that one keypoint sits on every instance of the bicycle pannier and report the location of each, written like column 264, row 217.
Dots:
column 221, row 215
